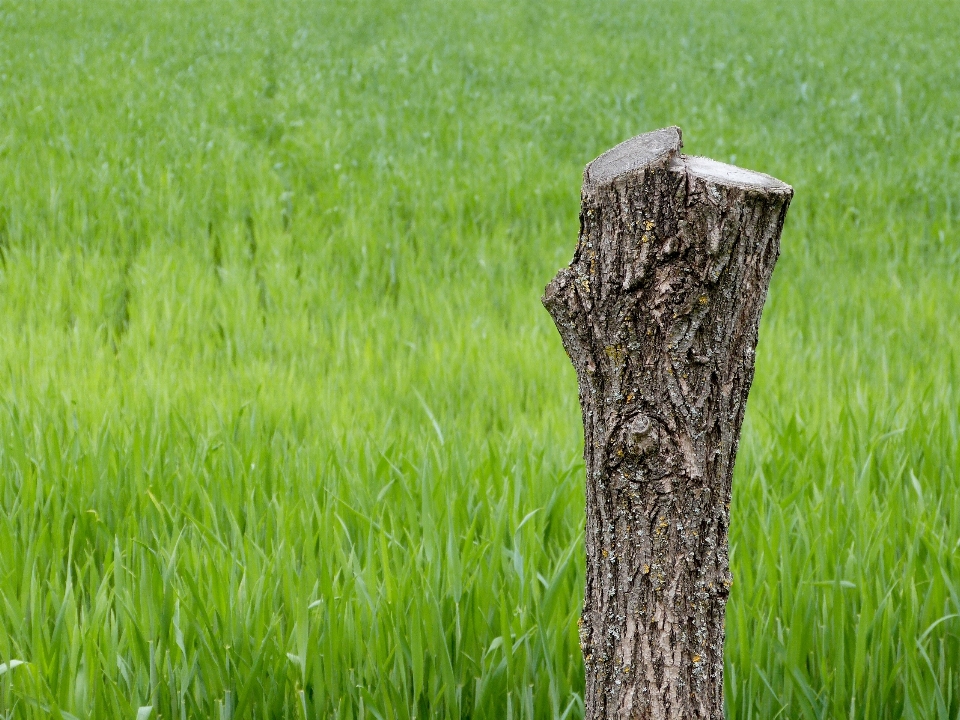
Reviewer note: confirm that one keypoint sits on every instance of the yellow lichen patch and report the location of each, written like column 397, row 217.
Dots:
column 697, row 658
column 604, row 553
column 704, row 300
column 646, row 568
column 649, row 224
column 615, row 352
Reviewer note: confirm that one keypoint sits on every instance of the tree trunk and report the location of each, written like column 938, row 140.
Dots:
column 659, row 312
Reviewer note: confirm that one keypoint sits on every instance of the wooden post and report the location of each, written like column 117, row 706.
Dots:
column 659, row 312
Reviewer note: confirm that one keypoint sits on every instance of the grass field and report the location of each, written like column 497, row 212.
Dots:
column 285, row 433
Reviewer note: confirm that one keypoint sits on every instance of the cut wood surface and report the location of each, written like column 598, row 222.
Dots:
column 659, row 312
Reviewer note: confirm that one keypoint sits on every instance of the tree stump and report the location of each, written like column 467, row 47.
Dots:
column 659, row 312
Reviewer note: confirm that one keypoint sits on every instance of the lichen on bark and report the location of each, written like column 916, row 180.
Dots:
column 659, row 312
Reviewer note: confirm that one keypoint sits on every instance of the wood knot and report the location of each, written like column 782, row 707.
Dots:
column 640, row 436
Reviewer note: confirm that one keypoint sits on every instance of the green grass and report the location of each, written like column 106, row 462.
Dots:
column 284, row 431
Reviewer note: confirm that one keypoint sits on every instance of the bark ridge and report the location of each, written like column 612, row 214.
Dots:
column 659, row 312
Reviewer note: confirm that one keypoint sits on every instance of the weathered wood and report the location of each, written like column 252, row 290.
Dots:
column 659, row 312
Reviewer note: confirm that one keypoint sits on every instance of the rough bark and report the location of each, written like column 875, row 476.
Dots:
column 659, row 312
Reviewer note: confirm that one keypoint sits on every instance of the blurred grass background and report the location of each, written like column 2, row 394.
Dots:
column 284, row 431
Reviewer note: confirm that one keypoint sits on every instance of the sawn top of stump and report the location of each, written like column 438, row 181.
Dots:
column 643, row 150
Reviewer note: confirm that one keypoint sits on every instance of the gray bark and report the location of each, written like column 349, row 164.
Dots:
column 659, row 312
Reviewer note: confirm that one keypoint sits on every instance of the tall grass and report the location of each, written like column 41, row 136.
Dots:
column 284, row 431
